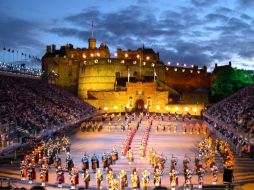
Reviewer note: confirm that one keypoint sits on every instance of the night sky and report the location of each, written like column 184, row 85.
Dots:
column 201, row 32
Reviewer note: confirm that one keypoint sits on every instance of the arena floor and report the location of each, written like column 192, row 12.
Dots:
column 169, row 143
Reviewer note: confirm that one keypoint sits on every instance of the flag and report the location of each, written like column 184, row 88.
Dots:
column 4, row 48
column 12, row 51
column 22, row 53
column 9, row 50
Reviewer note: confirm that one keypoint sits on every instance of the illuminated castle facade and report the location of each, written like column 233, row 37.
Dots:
column 131, row 79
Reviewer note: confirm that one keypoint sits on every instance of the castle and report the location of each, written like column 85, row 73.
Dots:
column 130, row 80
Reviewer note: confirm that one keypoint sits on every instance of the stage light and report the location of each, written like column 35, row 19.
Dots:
column 92, row 54
column 186, row 109
column 169, row 63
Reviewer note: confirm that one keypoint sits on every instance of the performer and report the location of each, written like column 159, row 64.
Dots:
column 200, row 173
column 44, row 175
column 74, row 177
column 145, row 179
column 188, row 176
column 114, row 154
column 115, row 185
column 69, row 162
column 60, row 176
column 99, row 179
column 157, row 177
column 130, row 156
column 95, row 162
column 23, row 170
column 110, row 177
column 85, row 163
column 135, row 180
column 57, row 161
column 31, row 174
column 104, row 159
column 123, row 180
column 214, row 170
column 173, row 179
column 87, row 178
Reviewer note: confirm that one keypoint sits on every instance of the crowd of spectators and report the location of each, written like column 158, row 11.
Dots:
column 34, row 106
column 233, row 120
column 237, row 110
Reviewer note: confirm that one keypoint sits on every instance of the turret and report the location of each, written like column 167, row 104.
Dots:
column 91, row 43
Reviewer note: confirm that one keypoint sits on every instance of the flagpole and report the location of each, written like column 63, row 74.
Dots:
column 128, row 75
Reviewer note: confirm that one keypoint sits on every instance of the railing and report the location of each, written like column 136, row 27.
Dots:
column 18, row 69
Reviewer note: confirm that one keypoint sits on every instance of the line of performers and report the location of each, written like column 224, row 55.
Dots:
column 186, row 128
column 145, row 138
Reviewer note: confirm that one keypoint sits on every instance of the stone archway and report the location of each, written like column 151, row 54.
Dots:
column 140, row 105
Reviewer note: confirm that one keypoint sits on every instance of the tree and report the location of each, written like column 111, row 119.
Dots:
column 230, row 80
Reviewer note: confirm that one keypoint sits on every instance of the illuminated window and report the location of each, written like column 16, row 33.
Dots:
column 167, row 68
column 152, row 64
column 177, row 64
column 109, row 60
column 126, row 55
column 175, row 69
column 122, row 61
column 98, row 54
column 84, row 55
column 191, row 71
column 91, row 54
column 147, row 58
column 138, row 56
column 169, row 63
column 183, row 70
column 198, row 72
column 134, row 62
column 144, row 63
column 96, row 61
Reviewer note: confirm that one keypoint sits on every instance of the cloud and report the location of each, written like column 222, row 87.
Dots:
column 18, row 33
column 203, row 3
column 246, row 3
column 181, row 35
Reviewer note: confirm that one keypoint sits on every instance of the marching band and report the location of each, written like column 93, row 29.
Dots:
column 47, row 154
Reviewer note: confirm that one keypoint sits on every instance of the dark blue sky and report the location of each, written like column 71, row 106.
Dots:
column 201, row 32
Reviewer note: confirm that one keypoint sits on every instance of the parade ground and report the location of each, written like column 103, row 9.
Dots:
column 177, row 144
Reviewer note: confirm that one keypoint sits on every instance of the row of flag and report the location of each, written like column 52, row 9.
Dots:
column 22, row 54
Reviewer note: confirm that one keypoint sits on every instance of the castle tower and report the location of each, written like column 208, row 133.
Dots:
column 92, row 40
column 91, row 43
